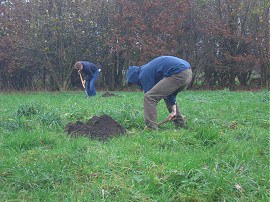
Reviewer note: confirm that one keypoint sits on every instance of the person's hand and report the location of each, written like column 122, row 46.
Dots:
column 172, row 115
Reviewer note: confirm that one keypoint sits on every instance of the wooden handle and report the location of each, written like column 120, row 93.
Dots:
column 164, row 121
column 81, row 79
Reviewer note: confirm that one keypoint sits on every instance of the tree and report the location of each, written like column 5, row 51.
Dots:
column 261, row 17
column 231, row 45
column 225, row 41
column 52, row 35
column 143, row 30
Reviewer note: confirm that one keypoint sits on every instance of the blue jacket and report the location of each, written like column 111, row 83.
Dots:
column 89, row 69
column 148, row 75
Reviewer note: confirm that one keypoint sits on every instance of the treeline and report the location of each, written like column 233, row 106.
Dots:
column 225, row 41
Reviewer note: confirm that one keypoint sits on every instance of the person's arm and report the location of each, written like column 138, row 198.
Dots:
column 147, row 83
column 173, row 112
column 172, row 101
column 82, row 80
column 87, row 70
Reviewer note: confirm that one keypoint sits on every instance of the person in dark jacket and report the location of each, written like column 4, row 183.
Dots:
column 162, row 78
column 92, row 72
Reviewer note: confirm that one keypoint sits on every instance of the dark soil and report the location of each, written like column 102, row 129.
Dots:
column 98, row 127
column 108, row 94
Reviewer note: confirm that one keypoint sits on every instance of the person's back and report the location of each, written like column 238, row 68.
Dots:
column 165, row 65
column 89, row 69
column 160, row 67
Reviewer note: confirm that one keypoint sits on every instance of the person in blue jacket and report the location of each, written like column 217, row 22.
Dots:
column 92, row 72
column 162, row 78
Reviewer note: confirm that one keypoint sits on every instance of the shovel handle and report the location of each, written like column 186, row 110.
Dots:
column 164, row 121
column 81, row 79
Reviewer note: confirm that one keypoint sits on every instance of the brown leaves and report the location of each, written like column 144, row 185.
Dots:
column 148, row 26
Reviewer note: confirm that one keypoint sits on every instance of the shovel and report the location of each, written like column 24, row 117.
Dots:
column 164, row 121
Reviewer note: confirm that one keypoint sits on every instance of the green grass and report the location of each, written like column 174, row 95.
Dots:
column 223, row 155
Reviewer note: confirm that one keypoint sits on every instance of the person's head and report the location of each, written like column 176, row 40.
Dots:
column 132, row 75
column 78, row 66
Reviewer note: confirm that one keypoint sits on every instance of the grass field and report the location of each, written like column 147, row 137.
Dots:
column 223, row 155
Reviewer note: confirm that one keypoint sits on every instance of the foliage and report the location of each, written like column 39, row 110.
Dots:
column 27, row 109
column 232, row 27
column 226, row 42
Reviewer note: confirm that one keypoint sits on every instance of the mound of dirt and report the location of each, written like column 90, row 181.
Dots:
column 98, row 127
column 108, row 94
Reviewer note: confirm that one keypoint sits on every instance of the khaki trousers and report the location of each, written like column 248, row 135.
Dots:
column 161, row 90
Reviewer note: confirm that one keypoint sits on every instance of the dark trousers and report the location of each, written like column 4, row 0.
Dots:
column 90, row 85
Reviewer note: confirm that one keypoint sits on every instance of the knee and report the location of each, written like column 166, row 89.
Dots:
column 146, row 97
column 149, row 99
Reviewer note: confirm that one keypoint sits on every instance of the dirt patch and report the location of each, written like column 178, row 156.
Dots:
column 108, row 94
column 98, row 127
